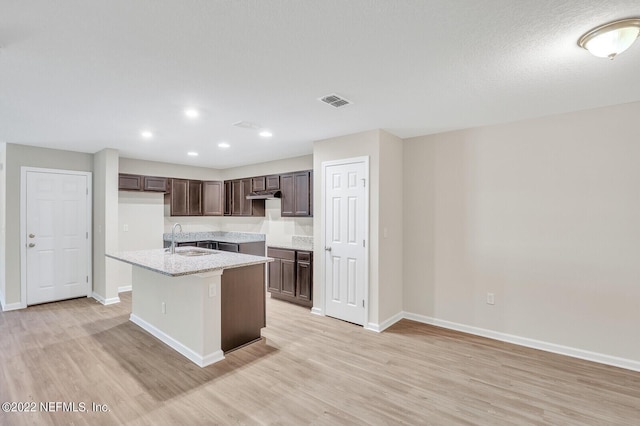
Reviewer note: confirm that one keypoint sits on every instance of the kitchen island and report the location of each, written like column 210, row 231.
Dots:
column 200, row 302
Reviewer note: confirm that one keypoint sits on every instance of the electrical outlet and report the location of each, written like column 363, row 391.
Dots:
column 164, row 308
column 125, row 228
column 212, row 290
column 490, row 299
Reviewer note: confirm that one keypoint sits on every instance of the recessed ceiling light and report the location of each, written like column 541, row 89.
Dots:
column 266, row 134
column 223, row 145
column 146, row 134
column 192, row 153
column 192, row 113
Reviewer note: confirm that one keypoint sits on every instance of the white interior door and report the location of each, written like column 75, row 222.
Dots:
column 57, row 236
column 345, row 240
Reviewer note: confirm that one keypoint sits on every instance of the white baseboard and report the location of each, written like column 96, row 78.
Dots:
column 13, row 306
column 124, row 288
column 378, row 328
column 317, row 311
column 104, row 301
column 199, row 360
column 530, row 343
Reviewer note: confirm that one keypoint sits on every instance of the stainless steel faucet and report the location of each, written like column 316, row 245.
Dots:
column 173, row 237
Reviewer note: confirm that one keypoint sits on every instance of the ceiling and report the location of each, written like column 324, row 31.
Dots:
column 85, row 75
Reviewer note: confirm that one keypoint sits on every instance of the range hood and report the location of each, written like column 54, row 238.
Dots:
column 264, row 195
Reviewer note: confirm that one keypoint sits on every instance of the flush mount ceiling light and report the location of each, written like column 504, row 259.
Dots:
column 146, row 134
column 223, row 145
column 192, row 154
column 609, row 40
column 266, row 134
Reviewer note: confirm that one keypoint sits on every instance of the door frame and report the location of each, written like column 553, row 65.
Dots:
column 323, row 228
column 23, row 226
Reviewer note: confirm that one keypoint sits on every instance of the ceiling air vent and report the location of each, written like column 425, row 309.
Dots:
column 335, row 100
column 246, row 125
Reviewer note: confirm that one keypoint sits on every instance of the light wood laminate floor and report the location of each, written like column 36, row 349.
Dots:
column 306, row 370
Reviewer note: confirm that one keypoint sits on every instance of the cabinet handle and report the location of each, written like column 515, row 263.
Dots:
column 31, row 236
column 31, row 245
column 327, row 248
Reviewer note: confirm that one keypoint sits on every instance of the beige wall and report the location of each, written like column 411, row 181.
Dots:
column 105, row 225
column 18, row 156
column 542, row 213
column 385, row 265
column 3, row 208
column 390, row 229
column 293, row 164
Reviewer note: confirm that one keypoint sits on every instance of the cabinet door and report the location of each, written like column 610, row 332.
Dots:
column 129, row 182
column 228, row 197
column 303, row 281
column 195, row 198
column 212, row 198
column 236, row 200
column 287, row 194
column 301, row 194
column 179, row 195
column 246, row 204
column 289, row 277
column 275, row 276
column 258, row 183
column 273, row 182
column 154, row 184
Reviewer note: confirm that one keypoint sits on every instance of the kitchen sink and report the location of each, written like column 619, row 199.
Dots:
column 195, row 252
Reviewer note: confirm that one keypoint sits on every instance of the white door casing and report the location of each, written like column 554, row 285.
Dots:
column 56, row 240
column 346, row 239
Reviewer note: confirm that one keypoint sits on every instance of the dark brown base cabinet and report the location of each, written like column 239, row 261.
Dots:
column 290, row 276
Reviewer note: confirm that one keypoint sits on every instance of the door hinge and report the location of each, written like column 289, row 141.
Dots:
column 363, row 243
column 364, row 182
column 87, row 278
column 363, row 303
column 87, row 190
column 87, row 235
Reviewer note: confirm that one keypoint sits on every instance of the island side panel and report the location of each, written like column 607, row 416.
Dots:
column 243, row 312
column 190, row 319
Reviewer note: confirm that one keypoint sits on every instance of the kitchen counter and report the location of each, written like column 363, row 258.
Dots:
column 297, row 243
column 175, row 265
column 201, row 306
column 221, row 236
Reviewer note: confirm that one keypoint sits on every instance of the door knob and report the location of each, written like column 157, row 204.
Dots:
column 32, row 245
column 327, row 248
column 32, row 236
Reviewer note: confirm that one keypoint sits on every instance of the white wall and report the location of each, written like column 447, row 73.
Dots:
column 545, row 214
column 16, row 157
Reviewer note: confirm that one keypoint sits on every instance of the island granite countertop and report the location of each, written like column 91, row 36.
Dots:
column 175, row 265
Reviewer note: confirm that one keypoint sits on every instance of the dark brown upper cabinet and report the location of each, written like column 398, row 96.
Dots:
column 212, row 198
column 273, row 182
column 127, row 182
column 240, row 206
column 154, row 184
column 258, row 183
column 228, row 197
column 186, row 197
column 296, row 191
